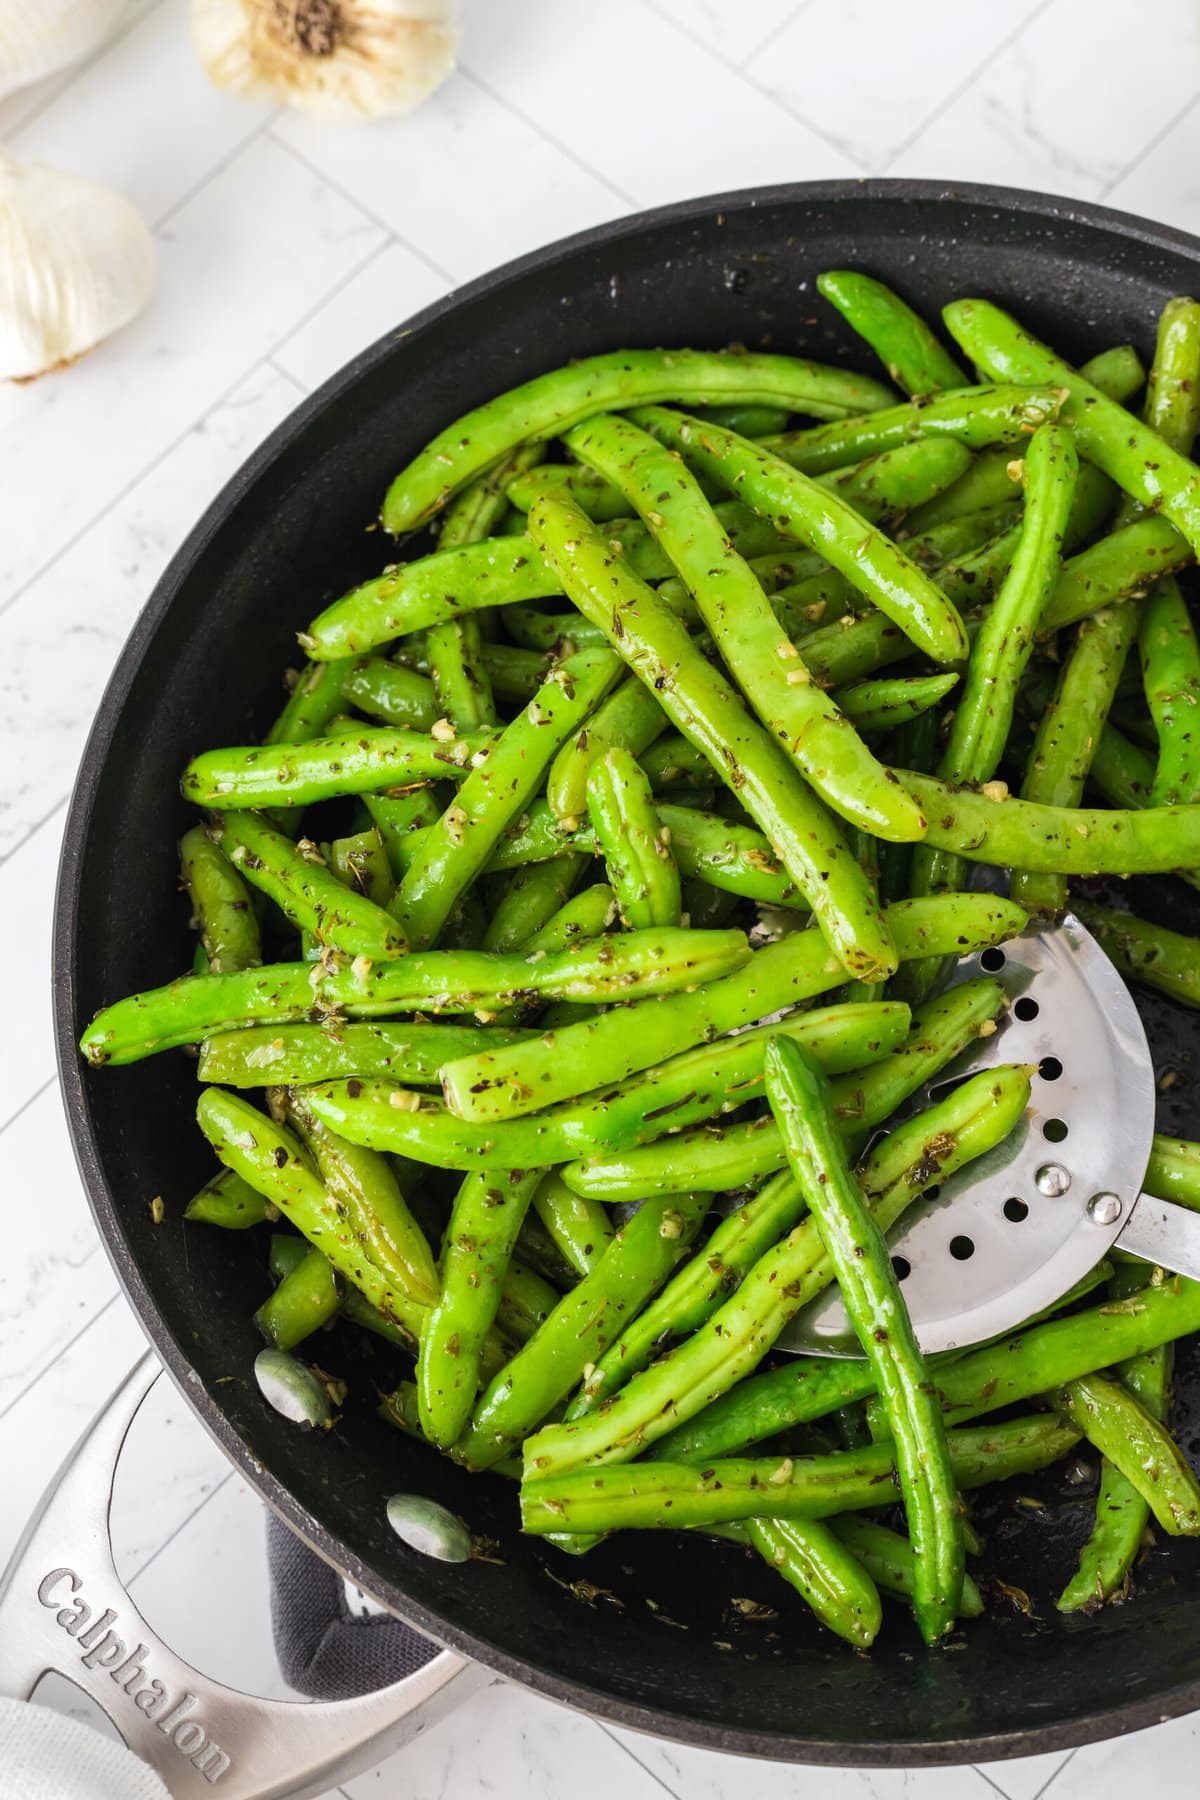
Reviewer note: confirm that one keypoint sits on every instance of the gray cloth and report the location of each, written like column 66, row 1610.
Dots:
column 329, row 1648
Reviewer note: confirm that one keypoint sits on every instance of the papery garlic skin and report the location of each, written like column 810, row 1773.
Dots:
column 39, row 36
column 332, row 59
column 76, row 263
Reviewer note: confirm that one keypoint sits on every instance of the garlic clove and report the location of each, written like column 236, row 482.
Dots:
column 333, row 59
column 76, row 263
column 37, row 37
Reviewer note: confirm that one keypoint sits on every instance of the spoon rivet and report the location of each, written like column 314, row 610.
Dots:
column 1104, row 1209
column 1052, row 1180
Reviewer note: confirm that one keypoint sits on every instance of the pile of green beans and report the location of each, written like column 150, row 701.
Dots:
column 610, row 846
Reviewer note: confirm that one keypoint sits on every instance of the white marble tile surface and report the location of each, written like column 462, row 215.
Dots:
column 286, row 247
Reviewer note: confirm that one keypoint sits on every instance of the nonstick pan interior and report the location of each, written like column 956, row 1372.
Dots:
column 643, row 1630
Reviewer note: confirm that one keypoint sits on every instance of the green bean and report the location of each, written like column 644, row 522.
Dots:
column 748, row 421
column 676, row 1495
column 629, row 719
column 460, row 678
column 390, row 693
column 886, row 487
column 840, row 1590
column 412, row 596
column 581, row 1229
column 1173, row 391
column 221, row 907
column 532, row 897
column 274, row 1162
column 986, row 826
column 360, row 862
column 717, row 1160
column 636, row 848
column 590, row 491
column 1121, row 770
column 671, row 761
column 974, row 416
column 704, row 844
column 617, row 1044
column 583, row 1324
column 308, row 1296
column 731, row 1343
column 549, row 404
column 478, row 510
column 1112, row 1419
column 1130, row 453
column 314, row 700
column 983, row 716
column 586, row 915
column 765, row 664
column 1117, row 372
column 1166, row 960
column 478, row 1245
column 734, row 1247
column 849, row 649
column 229, row 1202
column 1173, row 1173
column 456, row 849
column 557, row 634
column 792, row 501
column 366, row 1197
column 375, row 757
column 297, row 879
column 297, row 1055
column 900, row 338
column 679, row 1092
column 1068, row 733
column 1170, row 659
column 1123, row 564
column 801, row 1103
column 888, row 1559
column 527, row 1296
column 704, row 707
column 1122, row 1516
column 398, row 818
column 990, row 487
column 876, row 706
column 197, row 1006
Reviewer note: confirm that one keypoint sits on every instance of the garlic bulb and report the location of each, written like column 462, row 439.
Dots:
column 76, row 262
column 334, row 59
column 39, row 36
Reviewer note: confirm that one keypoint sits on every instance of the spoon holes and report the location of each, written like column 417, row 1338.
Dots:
column 1026, row 1009
column 1050, row 1068
column 962, row 1248
column 1054, row 1130
column 992, row 961
column 1015, row 1210
column 902, row 1267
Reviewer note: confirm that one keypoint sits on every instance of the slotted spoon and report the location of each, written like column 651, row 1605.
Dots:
column 1008, row 1236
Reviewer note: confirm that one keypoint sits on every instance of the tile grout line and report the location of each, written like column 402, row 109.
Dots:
column 622, row 1745
column 1069, row 1757
column 33, row 831
column 156, row 461
column 773, row 36
column 218, row 168
column 218, row 1488
column 1164, row 131
column 743, row 74
column 352, row 199
column 944, row 106
column 547, row 137
column 58, row 1356
column 286, row 375
column 26, row 1104
column 72, row 73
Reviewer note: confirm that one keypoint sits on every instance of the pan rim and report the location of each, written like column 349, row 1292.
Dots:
column 913, row 1752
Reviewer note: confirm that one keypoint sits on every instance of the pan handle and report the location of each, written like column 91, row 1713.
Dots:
column 63, row 1608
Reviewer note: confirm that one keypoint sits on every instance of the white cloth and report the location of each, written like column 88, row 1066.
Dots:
column 46, row 1756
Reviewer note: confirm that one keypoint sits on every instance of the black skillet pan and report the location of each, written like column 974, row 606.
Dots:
column 657, row 1648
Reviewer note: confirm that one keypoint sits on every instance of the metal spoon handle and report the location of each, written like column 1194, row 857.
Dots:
column 1160, row 1232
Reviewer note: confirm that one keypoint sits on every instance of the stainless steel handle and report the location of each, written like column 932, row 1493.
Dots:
column 1161, row 1232
column 63, row 1608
